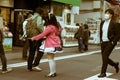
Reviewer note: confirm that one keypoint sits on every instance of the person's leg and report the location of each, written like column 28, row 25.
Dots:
column 79, row 48
column 4, row 61
column 103, row 73
column 31, row 54
column 106, row 51
column 81, row 45
column 112, row 63
column 38, row 58
column 52, row 65
column 39, row 54
column 25, row 49
column 3, row 58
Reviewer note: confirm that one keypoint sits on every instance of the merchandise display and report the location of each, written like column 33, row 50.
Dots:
column 8, row 37
column 68, row 37
column 94, row 29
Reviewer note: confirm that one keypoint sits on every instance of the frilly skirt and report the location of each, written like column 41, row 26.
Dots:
column 50, row 49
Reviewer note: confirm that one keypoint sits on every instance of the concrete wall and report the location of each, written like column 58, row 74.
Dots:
column 87, row 11
column 81, row 18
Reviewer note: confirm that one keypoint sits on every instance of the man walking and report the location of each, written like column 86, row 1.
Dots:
column 108, row 37
column 34, row 27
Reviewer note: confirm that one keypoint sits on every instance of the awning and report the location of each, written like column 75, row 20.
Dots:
column 72, row 2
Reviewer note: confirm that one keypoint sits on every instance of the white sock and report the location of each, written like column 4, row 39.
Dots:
column 52, row 66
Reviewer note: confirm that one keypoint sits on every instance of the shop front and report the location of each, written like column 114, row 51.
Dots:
column 21, row 8
column 6, row 19
column 68, row 9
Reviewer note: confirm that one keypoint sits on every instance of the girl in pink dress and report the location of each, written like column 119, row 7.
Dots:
column 52, row 43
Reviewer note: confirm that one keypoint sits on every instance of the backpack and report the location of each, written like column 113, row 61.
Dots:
column 32, row 29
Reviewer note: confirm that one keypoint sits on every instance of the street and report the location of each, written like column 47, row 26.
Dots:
column 71, row 65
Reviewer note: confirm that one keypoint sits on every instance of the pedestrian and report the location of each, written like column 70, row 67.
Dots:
column 52, row 43
column 24, row 37
column 2, row 55
column 108, row 37
column 80, row 33
column 86, row 36
column 2, row 52
column 34, row 27
column 20, row 19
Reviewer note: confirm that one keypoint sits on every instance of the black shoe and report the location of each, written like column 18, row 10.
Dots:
column 102, row 75
column 30, row 69
column 52, row 75
column 117, row 67
column 81, row 51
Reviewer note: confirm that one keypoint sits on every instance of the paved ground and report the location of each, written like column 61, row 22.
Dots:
column 71, row 65
column 16, row 52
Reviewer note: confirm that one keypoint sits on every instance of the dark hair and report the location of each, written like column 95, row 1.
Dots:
column 110, row 11
column 39, row 10
column 53, row 20
column 28, row 14
column 46, row 18
column 85, row 26
column 77, row 24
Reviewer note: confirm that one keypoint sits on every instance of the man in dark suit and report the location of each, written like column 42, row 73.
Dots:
column 109, row 36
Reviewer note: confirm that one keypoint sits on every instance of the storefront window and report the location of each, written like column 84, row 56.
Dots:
column 5, row 12
column 68, row 18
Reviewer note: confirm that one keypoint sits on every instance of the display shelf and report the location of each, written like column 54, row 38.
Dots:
column 8, row 40
column 68, row 38
column 94, row 29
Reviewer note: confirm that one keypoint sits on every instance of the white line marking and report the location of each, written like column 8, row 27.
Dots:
column 96, row 78
column 57, row 58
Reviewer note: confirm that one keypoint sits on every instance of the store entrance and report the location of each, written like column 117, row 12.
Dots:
column 19, row 17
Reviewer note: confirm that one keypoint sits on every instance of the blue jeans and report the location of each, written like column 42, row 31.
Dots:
column 80, row 44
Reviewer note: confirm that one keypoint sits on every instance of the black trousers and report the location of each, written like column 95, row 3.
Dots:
column 3, row 58
column 25, row 48
column 106, row 49
column 34, row 48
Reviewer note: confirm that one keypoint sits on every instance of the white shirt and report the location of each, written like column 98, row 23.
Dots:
column 105, row 31
column 24, row 27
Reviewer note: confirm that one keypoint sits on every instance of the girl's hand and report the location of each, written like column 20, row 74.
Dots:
column 32, row 39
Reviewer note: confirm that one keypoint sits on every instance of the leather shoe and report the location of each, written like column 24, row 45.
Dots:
column 117, row 67
column 51, row 75
column 102, row 75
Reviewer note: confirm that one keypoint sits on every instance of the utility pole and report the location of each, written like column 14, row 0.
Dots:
column 102, row 8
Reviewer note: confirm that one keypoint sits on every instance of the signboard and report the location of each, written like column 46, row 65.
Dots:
column 7, row 43
column 72, row 2
column 7, row 3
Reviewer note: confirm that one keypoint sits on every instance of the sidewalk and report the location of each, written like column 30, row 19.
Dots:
column 16, row 52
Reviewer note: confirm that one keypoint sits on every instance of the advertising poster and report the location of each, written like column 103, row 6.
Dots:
column 7, row 44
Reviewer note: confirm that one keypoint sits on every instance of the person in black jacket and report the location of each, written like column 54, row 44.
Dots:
column 80, row 33
column 109, row 36
column 86, row 37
